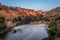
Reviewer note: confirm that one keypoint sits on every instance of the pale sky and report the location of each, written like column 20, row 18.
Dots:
column 33, row 4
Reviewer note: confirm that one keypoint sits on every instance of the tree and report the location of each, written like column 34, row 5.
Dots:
column 57, row 18
column 17, row 19
column 45, row 19
column 58, row 33
column 28, row 19
column 3, row 27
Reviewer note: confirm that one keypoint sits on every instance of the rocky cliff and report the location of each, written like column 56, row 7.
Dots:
column 18, row 15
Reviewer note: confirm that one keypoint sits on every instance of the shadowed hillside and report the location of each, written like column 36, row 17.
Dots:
column 13, row 16
column 17, row 16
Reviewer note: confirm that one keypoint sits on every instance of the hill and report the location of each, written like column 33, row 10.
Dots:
column 17, row 15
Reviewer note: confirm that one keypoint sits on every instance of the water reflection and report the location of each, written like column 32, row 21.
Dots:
column 28, row 32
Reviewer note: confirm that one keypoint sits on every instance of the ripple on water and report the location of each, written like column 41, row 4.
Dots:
column 28, row 32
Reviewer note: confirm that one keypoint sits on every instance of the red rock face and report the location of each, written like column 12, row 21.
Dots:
column 17, row 11
column 11, row 12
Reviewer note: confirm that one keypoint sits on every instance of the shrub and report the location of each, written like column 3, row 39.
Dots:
column 3, row 27
column 58, row 33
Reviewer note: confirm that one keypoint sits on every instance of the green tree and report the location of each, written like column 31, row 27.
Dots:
column 3, row 27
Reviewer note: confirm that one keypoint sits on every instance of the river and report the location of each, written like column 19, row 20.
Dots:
column 28, row 32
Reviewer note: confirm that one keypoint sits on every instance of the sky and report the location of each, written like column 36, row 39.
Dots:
column 33, row 4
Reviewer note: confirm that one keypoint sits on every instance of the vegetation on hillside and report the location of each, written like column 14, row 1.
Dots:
column 3, row 27
column 18, row 16
column 53, row 30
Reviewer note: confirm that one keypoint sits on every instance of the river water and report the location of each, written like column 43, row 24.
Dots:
column 28, row 32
